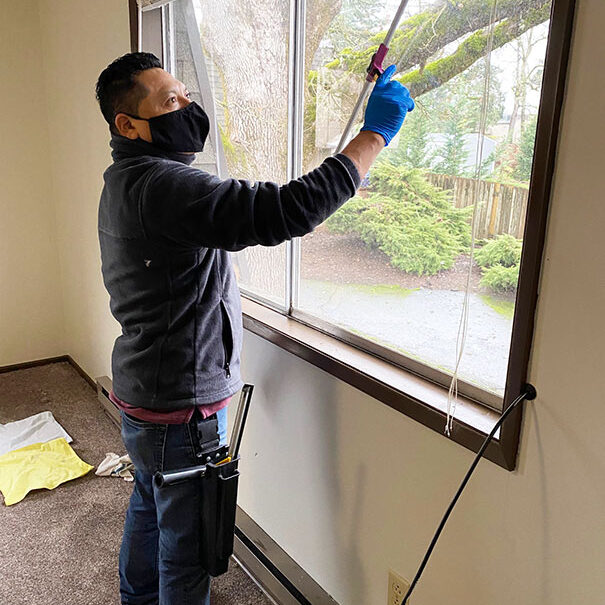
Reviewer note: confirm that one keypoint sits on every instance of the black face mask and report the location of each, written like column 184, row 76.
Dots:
column 183, row 130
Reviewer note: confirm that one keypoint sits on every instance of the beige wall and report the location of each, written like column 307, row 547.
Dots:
column 78, row 40
column 31, row 316
column 347, row 486
column 53, row 153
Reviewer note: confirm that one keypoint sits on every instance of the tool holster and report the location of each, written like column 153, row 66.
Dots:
column 218, row 475
column 219, row 498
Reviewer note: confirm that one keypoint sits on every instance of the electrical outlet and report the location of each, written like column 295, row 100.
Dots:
column 398, row 588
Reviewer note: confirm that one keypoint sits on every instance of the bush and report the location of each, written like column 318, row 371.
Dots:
column 347, row 218
column 500, row 278
column 504, row 250
column 413, row 222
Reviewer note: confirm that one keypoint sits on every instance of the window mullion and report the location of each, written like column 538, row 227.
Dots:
column 296, row 57
column 168, row 36
column 203, row 82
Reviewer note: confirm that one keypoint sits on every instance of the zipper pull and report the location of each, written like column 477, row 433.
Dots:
column 227, row 370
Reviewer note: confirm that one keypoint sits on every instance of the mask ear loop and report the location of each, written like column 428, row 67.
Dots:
column 452, row 396
column 130, row 115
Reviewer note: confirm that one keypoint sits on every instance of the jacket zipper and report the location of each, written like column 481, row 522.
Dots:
column 227, row 337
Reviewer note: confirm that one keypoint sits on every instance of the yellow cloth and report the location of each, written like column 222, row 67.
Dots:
column 36, row 466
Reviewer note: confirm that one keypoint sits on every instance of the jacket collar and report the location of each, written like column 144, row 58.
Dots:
column 123, row 148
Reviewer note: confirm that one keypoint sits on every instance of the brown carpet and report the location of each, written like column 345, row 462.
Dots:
column 61, row 546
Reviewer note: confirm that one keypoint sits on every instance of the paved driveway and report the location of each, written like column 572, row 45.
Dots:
column 421, row 323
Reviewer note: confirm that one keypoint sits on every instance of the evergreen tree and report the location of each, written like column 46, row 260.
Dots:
column 412, row 149
column 453, row 155
column 526, row 151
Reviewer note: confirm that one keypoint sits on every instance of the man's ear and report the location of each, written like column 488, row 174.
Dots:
column 125, row 126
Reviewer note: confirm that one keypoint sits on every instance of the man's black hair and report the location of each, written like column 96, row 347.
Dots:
column 117, row 88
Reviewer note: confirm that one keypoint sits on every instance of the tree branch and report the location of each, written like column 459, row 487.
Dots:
column 473, row 48
column 422, row 36
column 451, row 20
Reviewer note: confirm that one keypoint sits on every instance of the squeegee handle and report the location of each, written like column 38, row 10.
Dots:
column 365, row 91
column 374, row 70
column 185, row 474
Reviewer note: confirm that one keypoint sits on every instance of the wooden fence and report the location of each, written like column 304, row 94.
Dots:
column 502, row 208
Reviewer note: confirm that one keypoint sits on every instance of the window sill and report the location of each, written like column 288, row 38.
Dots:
column 401, row 390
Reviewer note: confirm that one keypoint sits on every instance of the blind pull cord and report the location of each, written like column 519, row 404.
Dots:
column 452, row 396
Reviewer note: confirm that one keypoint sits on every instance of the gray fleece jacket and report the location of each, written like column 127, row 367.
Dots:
column 165, row 232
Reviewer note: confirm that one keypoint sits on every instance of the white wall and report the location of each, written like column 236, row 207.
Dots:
column 79, row 40
column 31, row 317
column 350, row 488
column 346, row 485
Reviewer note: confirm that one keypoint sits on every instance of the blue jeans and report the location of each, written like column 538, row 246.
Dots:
column 160, row 553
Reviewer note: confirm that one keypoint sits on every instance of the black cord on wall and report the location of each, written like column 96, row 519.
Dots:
column 529, row 394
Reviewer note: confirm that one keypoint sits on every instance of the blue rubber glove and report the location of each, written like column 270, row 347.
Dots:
column 387, row 107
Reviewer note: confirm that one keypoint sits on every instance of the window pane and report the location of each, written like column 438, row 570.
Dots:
column 392, row 264
column 243, row 53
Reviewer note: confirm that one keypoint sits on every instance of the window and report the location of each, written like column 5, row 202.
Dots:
column 246, row 97
column 451, row 202
column 391, row 266
column 249, row 100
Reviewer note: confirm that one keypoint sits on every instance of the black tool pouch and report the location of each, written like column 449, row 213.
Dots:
column 219, row 497
column 218, row 482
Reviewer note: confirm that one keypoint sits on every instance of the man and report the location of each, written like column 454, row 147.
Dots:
column 165, row 231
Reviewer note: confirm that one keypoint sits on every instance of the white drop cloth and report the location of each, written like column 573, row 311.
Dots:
column 38, row 428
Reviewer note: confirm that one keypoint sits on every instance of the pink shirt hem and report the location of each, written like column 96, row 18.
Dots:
column 181, row 416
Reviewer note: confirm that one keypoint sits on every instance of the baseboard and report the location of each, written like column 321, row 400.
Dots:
column 33, row 364
column 82, row 373
column 273, row 569
column 103, row 387
column 42, row 362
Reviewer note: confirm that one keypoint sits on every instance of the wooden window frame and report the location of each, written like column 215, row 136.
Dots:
column 399, row 388
column 133, row 18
